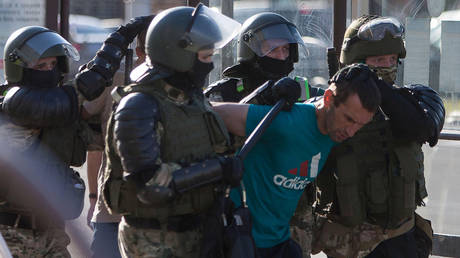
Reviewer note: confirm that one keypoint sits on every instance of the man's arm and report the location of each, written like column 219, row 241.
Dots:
column 93, row 162
column 234, row 116
column 411, row 116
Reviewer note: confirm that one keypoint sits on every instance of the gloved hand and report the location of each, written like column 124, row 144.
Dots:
column 136, row 25
column 232, row 170
column 98, row 73
column 288, row 89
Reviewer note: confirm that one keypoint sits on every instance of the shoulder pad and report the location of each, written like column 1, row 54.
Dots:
column 136, row 105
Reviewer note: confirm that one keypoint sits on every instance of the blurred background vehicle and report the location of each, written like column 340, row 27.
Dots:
column 87, row 33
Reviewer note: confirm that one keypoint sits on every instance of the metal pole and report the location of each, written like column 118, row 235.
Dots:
column 340, row 23
column 51, row 14
column 64, row 24
column 227, row 51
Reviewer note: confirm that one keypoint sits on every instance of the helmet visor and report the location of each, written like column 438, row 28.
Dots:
column 263, row 41
column 376, row 29
column 33, row 49
column 209, row 29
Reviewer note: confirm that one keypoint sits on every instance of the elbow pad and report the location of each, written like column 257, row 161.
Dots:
column 429, row 101
column 99, row 72
column 41, row 107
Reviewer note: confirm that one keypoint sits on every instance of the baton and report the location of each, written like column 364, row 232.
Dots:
column 260, row 129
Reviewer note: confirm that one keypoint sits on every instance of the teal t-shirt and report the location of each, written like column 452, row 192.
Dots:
column 287, row 157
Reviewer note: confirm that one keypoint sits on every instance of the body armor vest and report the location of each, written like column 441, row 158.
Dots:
column 378, row 179
column 192, row 133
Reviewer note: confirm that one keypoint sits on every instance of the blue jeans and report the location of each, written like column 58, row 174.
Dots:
column 105, row 240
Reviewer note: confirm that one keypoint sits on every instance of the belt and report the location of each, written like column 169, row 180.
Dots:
column 25, row 221
column 403, row 228
column 180, row 223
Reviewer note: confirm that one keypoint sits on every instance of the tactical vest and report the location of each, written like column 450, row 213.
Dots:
column 379, row 180
column 192, row 132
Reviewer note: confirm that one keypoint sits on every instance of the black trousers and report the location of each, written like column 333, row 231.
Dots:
column 286, row 249
column 403, row 246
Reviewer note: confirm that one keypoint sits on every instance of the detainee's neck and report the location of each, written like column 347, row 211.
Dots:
column 320, row 111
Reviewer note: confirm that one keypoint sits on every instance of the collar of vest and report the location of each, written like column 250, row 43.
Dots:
column 158, row 86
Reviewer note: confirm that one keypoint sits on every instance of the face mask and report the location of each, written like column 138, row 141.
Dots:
column 41, row 79
column 387, row 74
column 192, row 79
column 199, row 73
column 275, row 69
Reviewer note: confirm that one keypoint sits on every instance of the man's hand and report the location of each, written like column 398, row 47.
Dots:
column 89, row 216
column 288, row 89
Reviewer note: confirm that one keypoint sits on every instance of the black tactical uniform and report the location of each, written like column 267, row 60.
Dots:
column 254, row 67
column 40, row 120
column 164, row 140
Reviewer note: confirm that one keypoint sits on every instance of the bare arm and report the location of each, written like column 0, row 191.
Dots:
column 234, row 116
column 93, row 163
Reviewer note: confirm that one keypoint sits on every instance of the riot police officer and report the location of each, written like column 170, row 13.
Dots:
column 268, row 47
column 374, row 181
column 164, row 139
column 40, row 120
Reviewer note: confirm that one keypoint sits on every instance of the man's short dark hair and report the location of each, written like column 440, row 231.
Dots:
column 359, row 79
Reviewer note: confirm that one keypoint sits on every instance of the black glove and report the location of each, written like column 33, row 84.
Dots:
column 98, row 73
column 232, row 170
column 136, row 25
column 288, row 89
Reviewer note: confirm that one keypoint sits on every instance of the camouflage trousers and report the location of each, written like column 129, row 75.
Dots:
column 152, row 243
column 26, row 243
column 302, row 225
column 340, row 241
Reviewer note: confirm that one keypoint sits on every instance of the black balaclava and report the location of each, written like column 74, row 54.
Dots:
column 195, row 78
column 41, row 79
column 272, row 68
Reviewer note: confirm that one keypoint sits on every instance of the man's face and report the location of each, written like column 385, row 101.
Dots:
column 205, row 55
column 44, row 64
column 275, row 48
column 344, row 120
column 382, row 61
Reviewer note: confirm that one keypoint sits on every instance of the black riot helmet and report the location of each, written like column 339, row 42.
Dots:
column 176, row 35
column 267, row 26
column 261, row 34
column 27, row 45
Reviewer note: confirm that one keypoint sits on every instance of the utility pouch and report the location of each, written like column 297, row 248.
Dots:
column 228, row 230
column 73, row 195
column 349, row 194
